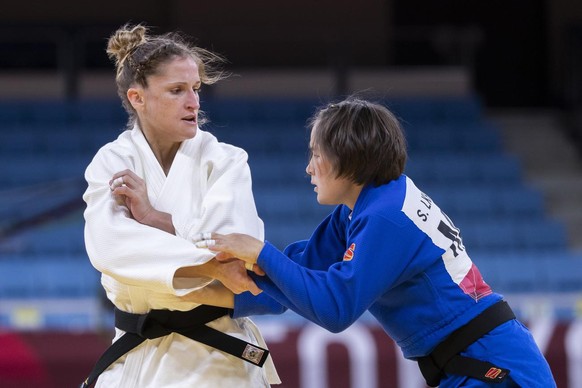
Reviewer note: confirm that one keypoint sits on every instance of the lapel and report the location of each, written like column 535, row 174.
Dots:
column 176, row 191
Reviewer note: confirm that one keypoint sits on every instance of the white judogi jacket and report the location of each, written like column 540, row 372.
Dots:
column 207, row 189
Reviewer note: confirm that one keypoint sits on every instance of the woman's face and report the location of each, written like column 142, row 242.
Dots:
column 168, row 108
column 330, row 189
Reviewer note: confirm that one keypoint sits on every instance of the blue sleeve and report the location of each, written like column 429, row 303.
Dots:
column 272, row 300
column 378, row 257
column 246, row 304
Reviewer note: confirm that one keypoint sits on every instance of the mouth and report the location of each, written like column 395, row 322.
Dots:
column 190, row 119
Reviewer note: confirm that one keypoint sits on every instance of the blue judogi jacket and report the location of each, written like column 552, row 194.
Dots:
column 398, row 256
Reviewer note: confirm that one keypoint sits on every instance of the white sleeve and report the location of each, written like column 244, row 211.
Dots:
column 120, row 247
column 228, row 205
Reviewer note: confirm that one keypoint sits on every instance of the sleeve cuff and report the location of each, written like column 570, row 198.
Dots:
column 246, row 304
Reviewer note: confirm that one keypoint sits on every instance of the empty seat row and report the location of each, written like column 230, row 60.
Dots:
column 444, row 138
column 284, row 232
column 487, row 201
column 67, row 141
column 31, row 170
column 65, row 238
column 278, row 205
column 61, row 276
column 558, row 272
column 514, row 203
column 258, row 138
column 459, row 169
column 52, row 276
column 255, row 110
column 510, row 236
column 413, row 110
column 274, row 140
column 439, row 109
column 281, row 171
column 47, row 112
column 449, row 169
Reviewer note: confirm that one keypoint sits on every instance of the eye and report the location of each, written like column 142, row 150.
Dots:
column 314, row 153
column 175, row 90
column 197, row 89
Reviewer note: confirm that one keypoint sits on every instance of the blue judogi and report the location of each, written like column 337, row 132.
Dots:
column 400, row 257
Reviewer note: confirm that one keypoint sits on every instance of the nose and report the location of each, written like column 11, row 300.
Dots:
column 193, row 100
column 308, row 168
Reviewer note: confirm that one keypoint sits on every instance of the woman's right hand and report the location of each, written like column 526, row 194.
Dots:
column 133, row 193
column 234, row 276
column 132, row 189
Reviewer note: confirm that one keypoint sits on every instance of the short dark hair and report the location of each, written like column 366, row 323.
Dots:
column 363, row 141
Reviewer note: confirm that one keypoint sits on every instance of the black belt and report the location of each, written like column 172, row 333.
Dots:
column 445, row 358
column 159, row 323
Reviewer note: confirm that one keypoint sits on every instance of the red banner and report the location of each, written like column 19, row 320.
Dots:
column 306, row 356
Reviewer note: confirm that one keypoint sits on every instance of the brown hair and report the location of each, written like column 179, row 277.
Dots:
column 138, row 55
column 363, row 141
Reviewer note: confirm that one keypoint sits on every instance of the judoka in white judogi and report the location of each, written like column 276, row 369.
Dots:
column 207, row 188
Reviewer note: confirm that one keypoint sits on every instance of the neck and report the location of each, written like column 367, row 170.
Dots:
column 353, row 195
column 166, row 157
column 164, row 152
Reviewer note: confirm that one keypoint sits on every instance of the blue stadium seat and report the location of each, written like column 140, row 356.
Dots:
column 488, row 235
column 546, row 235
column 513, row 274
column 18, row 141
column 12, row 113
column 66, row 238
column 431, row 139
column 481, row 139
column 519, row 201
column 416, row 110
column 285, row 232
column 58, row 277
column 16, row 280
column 513, row 201
column 563, row 272
column 497, row 169
column 277, row 205
column 465, row 138
column 49, row 112
column 108, row 112
column 48, row 276
column 455, row 156
column 266, row 139
column 268, row 171
column 62, row 141
column 462, row 169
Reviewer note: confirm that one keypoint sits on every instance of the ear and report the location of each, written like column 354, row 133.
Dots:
column 135, row 97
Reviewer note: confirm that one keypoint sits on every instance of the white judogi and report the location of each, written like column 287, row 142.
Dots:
column 207, row 189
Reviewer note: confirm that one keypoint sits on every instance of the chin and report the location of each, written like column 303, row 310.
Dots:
column 192, row 133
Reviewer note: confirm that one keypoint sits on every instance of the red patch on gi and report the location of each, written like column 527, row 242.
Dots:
column 350, row 252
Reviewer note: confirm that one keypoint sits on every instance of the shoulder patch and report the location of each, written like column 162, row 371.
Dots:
column 349, row 254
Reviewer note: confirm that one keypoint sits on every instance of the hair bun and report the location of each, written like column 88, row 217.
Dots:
column 124, row 40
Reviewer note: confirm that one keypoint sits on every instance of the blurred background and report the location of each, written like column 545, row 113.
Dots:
column 489, row 94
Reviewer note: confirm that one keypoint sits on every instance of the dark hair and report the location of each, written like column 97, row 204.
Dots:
column 137, row 56
column 363, row 141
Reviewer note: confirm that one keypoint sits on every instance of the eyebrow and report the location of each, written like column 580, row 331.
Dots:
column 180, row 83
column 313, row 148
